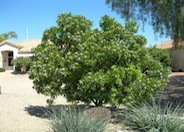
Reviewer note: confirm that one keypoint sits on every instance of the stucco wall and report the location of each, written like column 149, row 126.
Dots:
column 25, row 54
column 4, row 49
column 1, row 60
column 177, row 56
column 9, row 48
column 5, row 61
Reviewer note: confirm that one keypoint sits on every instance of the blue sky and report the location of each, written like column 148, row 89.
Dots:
column 37, row 15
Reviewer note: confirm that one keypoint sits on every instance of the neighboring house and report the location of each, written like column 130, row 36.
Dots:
column 176, row 54
column 10, row 50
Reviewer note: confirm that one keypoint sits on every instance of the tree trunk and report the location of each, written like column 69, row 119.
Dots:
column 98, row 103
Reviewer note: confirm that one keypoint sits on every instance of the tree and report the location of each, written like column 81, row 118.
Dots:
column 166, row 16
column 8, row 35
column 107, row 65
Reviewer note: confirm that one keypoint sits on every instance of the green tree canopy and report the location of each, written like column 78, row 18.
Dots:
column 8, row 35
column 107, row 65
column 166, row 16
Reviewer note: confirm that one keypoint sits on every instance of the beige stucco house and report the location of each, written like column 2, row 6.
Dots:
column 10, row 50
column 176, row 53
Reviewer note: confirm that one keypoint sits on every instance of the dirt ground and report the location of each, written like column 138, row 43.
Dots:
column 174, row 91
column 22, row 109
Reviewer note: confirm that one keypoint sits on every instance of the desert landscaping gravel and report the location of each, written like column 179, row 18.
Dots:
column 19, row 104
column 22, row 109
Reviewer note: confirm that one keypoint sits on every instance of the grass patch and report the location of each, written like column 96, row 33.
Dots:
column 153, row 118
column 2, row 69
column 70, row 119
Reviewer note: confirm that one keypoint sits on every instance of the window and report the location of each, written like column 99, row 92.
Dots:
column 10, row 58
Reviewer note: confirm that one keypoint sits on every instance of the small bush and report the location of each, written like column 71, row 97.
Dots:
column 22, row 62
column 152, row 118
column 161, row 56
column 72, row 120
column 2, row 69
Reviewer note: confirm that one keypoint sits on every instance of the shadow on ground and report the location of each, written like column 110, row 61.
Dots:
column 18, row 73
column 116, row 115
column 173, row 92
column 43, row 112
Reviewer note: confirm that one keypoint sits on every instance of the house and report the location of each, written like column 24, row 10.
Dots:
column 10, row 50
column 176, row 54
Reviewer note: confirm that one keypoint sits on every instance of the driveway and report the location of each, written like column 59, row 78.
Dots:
column 20, row 105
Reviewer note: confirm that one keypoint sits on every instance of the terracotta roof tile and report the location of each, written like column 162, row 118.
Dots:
column 9, row 43
column 169, row 44
column 28, row 45
column 166, row 45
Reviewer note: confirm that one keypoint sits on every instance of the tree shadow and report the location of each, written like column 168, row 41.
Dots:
column 173, row 92
column 44, row 112
column 18, row 73
column 117, row 114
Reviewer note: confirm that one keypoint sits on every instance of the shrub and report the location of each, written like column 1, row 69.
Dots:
column 161, row 55
column 73, row 120
column 22, row 63
column 2, row 69
column 110, row 65
column 154, row 118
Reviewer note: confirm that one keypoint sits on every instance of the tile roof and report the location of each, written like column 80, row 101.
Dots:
column 9, row 43
column 166, row 45
column 27, row 45
column 170, row 44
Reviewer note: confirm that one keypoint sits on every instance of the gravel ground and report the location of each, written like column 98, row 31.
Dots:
column 174, row 91
column 20, row 105
column 21, row 108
